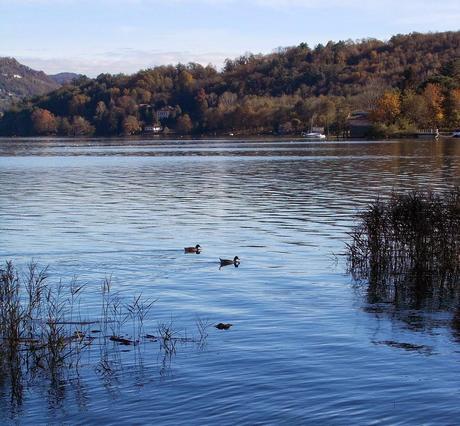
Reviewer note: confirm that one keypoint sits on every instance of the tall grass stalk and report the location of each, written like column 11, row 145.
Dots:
column 407, row 249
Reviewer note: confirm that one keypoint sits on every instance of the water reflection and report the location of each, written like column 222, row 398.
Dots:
column 115, row 369
column 302, row 350
column 43, row 339
column 404, row 254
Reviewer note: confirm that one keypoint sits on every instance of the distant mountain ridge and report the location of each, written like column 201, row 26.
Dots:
column 64, row 77
column 18, row 81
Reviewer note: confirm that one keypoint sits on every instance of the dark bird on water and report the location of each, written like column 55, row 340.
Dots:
column 196, row 249
column 223, row 326
column 225, row 262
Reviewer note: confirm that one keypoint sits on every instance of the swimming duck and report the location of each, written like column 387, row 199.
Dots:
column 223, row 326
column 225, row 262
column 195, row 249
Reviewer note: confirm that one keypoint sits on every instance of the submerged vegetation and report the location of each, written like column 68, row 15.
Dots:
column 407, row 249
column 409, row 82
column 43, row 335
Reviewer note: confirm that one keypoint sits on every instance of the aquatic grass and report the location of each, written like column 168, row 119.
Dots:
column 407, row 249
column 137, row 311
column 202, row 325
column 112, row 309
column 168, row 337
column 43, row 335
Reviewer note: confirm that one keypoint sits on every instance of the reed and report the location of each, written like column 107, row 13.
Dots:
column 202, row 325
column 407, row 249
column 42, row 333
column 168, row 337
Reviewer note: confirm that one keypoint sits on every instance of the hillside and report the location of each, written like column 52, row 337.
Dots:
column 407, row 82
column 18, row 81
column 64, row 77
column 345, row 67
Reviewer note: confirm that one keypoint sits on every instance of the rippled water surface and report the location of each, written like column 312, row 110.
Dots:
column 304, row 347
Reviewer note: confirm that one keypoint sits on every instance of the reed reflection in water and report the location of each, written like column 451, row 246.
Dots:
column 43, row 338
column 304, row 347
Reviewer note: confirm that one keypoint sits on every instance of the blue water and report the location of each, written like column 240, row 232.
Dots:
column 305, row 347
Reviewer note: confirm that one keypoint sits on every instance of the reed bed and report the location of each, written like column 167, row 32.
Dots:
column 407, row 249
column 42, row 332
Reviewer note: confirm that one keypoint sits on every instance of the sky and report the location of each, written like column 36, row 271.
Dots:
column 97, row 36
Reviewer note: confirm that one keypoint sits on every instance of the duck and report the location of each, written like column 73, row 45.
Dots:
column 195, row 249
column 223, row 326
column 225, row 262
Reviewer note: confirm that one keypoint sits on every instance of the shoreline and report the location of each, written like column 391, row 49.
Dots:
column 236, row 137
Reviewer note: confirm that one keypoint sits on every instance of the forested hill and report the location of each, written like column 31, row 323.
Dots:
column 344, row 68
column 409, row 81
column 18, row 81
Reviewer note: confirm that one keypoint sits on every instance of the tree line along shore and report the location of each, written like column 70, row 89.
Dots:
column 408, row 83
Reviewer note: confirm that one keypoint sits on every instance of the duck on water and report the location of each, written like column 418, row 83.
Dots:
column 226, row 262
column 196, row 249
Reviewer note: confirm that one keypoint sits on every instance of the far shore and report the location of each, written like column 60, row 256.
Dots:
column 234, row 136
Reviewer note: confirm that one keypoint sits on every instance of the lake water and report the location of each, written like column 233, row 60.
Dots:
column 305, row 347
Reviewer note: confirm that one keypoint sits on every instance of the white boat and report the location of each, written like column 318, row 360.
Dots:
column 456, row 134
column 314, row 135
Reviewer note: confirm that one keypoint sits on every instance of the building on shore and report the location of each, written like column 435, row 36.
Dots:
column 359, row 124
column 164, row 113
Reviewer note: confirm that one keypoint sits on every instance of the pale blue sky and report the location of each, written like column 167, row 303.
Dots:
column 94, row 36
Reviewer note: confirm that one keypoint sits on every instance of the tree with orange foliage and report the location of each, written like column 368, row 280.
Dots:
column 387, row 108
column 434, row 100
column 44, row 122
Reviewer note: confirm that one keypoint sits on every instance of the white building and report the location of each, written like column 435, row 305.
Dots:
column 164, row 113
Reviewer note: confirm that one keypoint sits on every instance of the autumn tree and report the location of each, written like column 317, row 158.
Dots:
column 227, row 100
column 342, row 112
column 184, row 124
column 326, row 110
column 80, row 127
column 65, row 128
column 127, row 104
column 44, row 122
column 414, row 108
column 78, row 103
column 101, row 109
column 131, row 125
column 387, row 108
column 186, row 81
column 434, row 100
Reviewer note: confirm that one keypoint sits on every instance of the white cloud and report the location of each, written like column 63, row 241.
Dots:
column 126, row 61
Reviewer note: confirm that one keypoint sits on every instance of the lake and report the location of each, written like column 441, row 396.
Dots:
column 305, row 346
